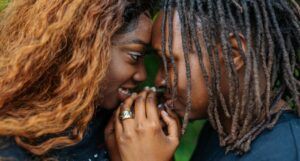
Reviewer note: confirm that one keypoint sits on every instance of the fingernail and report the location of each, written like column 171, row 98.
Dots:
column 134, row 94
column 153, row 89
column 147, row 88
column 164, row 113
column 160, row 106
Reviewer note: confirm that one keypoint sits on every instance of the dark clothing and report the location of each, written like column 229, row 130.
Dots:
column 282, row 143
column 91, row 148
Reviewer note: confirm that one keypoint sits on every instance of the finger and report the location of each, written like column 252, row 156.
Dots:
column 177, row 119
column 128, row 123
column 172, row 125
column 139, row 107
column 151, row 107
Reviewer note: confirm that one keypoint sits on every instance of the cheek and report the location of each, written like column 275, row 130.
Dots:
column 199, row 90
column 199, row 93
column 224, row 82
column 182, row 81
column 197, row 79
column 119, row 72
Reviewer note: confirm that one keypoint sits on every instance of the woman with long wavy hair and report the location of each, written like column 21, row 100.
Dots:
column 60, row 61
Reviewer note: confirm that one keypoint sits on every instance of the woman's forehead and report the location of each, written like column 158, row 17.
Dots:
column 141, row 32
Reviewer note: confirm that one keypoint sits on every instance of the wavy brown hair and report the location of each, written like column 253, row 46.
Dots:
column 53, row 59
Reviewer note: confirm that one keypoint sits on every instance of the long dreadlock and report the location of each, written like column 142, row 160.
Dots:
column 268, row 27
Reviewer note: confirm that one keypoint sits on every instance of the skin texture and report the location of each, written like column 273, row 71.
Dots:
column 133, row 135
column 199, row 91
column 244, row 129
column 127, row 68
column 142, row 137
column 197, row 80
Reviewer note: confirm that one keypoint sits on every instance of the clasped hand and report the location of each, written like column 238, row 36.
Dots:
column 142, row 138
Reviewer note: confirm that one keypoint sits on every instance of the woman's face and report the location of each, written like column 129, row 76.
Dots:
column 199, row 91
column 126, row 69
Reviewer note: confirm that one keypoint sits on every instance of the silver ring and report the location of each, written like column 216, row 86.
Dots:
column 126, row 115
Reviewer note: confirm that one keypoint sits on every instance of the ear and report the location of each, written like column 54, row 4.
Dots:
column 237, row 57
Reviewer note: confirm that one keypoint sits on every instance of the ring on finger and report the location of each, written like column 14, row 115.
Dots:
column 126, row 114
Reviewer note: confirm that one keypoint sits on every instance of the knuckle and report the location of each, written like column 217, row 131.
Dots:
column 121, row 140
column 128, row 135
column 140, row 128
column 125, row 138
column 150, row 99
column 154, row 125
column 128, row 101
column 144, row 92
column 140, row 99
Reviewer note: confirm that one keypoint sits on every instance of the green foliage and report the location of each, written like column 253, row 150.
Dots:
column 3, row 4
column 188, row 141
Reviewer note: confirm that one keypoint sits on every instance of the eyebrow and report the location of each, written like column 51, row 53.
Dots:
column 134, row 41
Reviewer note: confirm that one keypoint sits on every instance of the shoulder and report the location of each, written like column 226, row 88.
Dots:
column 280, row 143
column 9, row 150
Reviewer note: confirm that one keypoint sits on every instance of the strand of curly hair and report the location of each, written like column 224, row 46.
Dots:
column 53, row 59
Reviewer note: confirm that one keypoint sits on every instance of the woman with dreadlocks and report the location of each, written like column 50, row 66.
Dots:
column 230, row 61
column 64, row 65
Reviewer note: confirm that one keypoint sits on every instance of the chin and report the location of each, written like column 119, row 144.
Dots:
column 110, row 104
column 192, row 116
column 179, row 113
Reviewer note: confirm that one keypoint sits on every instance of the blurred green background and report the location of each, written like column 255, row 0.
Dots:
column 189, row 140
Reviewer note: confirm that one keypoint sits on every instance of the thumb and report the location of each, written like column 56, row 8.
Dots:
column 176, row 118
column 171, row 124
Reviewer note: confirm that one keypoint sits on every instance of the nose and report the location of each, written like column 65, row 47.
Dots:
column 160, row 80
column 141, row 74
